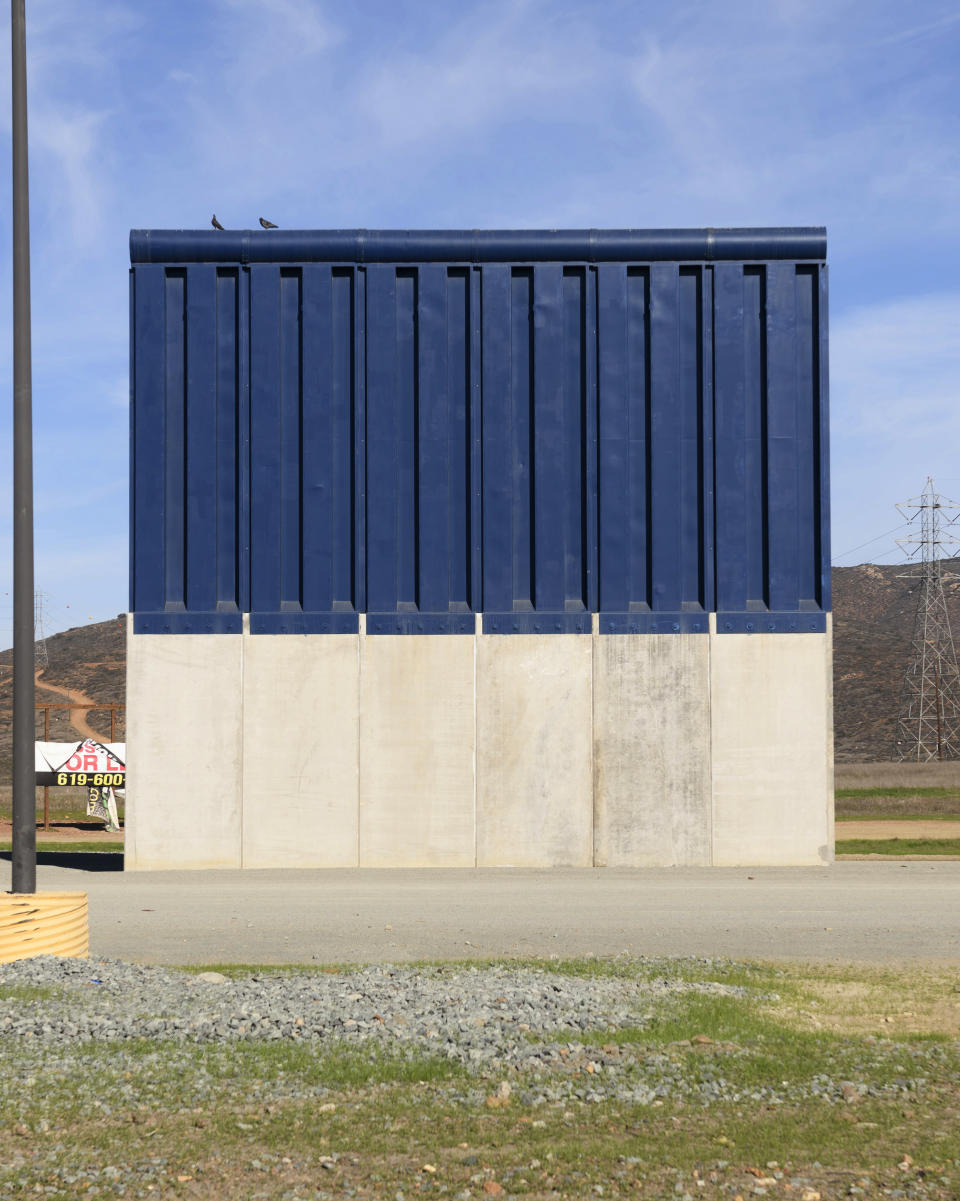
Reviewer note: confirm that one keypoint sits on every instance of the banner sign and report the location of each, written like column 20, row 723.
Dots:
column 87, row 764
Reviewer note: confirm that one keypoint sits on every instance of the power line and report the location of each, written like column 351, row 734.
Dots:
column 902, row 526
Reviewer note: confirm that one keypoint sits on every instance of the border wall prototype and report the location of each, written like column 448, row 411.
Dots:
column 479, row 548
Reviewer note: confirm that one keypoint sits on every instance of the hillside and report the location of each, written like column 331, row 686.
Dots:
column 874, row 610
column 90, row 660
column 873, row 613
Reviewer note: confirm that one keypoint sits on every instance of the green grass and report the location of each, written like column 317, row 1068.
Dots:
column 898, row 846
column 850, row 793
column 66, row 848
column 23, row 994
column 239, row 971
column 898, row 817
column 235, row 1065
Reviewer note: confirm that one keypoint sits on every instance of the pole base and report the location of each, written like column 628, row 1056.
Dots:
column 43, row 923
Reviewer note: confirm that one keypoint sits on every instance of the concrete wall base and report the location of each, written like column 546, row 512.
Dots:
column 478, row 750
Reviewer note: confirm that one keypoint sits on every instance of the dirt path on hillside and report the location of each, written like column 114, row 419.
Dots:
column 78, row 717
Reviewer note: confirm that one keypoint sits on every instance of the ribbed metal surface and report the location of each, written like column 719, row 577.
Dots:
column 537, row 440
column 43, row 923
column 189, row 543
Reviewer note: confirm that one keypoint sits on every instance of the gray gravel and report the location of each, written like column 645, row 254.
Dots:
column 516, row 1029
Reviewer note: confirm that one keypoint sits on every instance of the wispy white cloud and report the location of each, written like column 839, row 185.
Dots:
column 895, row 412
column 945, row 22
column 483, row 70
column 895, row 368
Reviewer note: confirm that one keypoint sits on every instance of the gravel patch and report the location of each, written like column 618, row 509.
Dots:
column 520, row 1027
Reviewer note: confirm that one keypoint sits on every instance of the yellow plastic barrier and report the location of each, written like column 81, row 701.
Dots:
column 43, row 923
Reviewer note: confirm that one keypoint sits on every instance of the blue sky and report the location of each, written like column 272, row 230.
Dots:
column 497, row 114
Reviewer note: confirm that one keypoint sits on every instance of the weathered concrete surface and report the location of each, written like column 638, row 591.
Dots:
column 184, row 750
column 842, row 913
column 301, row 701
column 417, row 751
column 488, row 750
column 651, row 710
column 534, row 750
column 770, row 732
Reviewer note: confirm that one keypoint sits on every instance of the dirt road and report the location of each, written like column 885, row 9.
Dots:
column 78, row 717
column 928, row 828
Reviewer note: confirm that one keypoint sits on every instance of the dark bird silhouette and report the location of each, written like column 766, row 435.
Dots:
column 215, row 223
column 267, row 224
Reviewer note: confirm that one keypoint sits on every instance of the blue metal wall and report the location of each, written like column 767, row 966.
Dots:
column 402, row 425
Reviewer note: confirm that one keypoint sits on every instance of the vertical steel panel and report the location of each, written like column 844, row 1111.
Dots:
column 656, row 450
column 244, row 449
column 419, row 502
column 200, row 442
column 589, row 451
column 321, row 435
column 452, row 442
column 226, row 435
column 148, row 441
column 266, row 445
column 821, row 450
column 303, row 459
column 358, row 351
column 534, row 440
column 498, row 429
column 382, row 411
column 185, row 460
column 521, row 429
column 475, row 373
column 782, row 498
column 622, row 504
column 768, row 407
column 344, row 504
column 536, row 542
column 174, row 409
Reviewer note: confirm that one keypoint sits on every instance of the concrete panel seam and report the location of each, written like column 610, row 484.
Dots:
column 831, row 771
column 361, row 643
column 130, row 828
column 713, row 795
column 361, row 669
column 595, row 628
column 244, row 639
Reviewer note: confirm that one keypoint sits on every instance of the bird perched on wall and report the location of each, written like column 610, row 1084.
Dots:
column 267, row 224
column 215, row 223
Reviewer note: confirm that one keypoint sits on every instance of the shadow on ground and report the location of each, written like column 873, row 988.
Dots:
column 80, row 861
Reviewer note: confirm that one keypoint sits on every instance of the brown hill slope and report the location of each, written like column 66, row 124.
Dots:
column 88, row 659
column 873, row 613
column 874, row 609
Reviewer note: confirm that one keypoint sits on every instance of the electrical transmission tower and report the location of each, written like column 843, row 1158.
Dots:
column 40, row 657
column 929, row 724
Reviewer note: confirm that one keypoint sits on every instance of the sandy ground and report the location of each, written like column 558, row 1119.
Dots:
column 909, row 829
column 66, row 832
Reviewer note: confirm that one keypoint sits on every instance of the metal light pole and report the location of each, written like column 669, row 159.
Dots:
column 24, row 875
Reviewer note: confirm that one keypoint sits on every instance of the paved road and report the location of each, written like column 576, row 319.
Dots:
column 871, row 911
